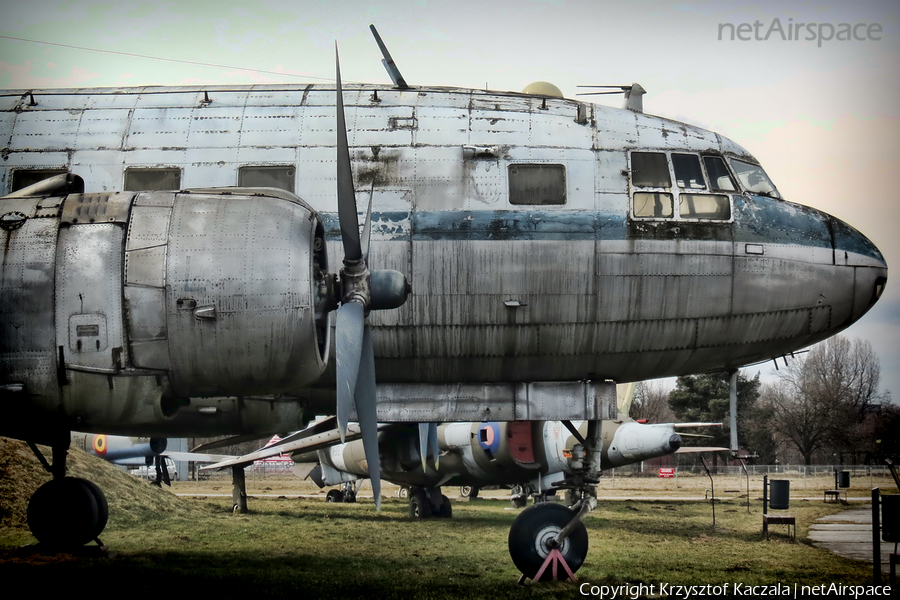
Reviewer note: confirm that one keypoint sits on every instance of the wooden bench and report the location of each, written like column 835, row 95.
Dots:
column 835, row 494
column 788, row 520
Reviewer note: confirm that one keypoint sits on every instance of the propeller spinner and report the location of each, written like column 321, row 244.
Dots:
column 360, row 292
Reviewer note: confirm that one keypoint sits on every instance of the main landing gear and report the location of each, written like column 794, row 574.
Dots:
column 347, row 493
column 429, row 502
column 66, row 512
column 549, row 541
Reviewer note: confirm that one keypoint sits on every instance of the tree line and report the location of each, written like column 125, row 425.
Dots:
column 824, row 407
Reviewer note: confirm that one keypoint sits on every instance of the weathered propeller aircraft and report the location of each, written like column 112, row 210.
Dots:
column 530, row 251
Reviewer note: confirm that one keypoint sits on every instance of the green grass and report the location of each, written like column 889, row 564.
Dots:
column 310, row 549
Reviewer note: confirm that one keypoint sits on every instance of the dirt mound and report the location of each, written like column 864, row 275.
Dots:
column 130, row 499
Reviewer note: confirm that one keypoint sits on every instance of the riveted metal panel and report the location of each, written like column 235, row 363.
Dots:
column 152, row 354
column 758, row 327
column 146, row 313
column 89, row 295
column 149, row 226
column 27, row 332
column 97, row 208
column 146, row 266
column 246, row 263
column 159, row 199
column 496, row 402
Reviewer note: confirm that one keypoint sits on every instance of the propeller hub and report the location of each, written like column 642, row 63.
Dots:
column 356, row 283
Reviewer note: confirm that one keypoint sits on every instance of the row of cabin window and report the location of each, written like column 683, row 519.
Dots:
column 654, row 196
column 528, row 183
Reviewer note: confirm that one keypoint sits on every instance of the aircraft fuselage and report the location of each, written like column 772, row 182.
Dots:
column 536, row 250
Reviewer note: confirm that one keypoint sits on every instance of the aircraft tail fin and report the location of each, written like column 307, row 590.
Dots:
column 624, row 397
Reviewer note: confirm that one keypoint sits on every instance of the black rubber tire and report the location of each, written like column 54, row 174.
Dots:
column 446, row 510
column 520, row 502
column 349, row 497
column 334, row 496
column 102, row 506
column 419, row 506
column 468, row 491
column 530, row 531
column 64, row 513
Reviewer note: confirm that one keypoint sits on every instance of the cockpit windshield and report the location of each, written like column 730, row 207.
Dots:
column 754, row 178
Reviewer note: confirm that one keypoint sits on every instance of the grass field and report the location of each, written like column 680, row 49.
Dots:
column 168, row 546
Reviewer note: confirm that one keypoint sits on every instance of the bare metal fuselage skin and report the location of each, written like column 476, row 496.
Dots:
column 501, row 293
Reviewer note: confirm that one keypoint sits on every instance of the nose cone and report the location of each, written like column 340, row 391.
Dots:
column 853, row 249
column 674, row 442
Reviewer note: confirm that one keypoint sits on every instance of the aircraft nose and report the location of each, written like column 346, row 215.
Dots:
column 853, row 249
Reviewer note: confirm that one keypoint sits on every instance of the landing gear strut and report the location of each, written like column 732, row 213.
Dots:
column 66, row 512
column 533, row 535
column 347, row 493
column 548, row 538
column 425, row 503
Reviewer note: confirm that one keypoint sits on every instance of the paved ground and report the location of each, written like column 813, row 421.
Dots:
column 849, row 534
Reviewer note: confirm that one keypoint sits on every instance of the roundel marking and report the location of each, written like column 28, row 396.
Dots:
column 489, row 436
column 100, row 444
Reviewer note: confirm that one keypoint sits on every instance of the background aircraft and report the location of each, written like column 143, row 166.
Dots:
column 537, row 457
column 137, row 451
column 553, row 247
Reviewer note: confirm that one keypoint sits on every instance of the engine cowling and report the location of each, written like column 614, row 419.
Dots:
column 119, row 307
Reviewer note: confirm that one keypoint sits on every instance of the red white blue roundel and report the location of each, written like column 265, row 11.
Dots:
column 489, row 436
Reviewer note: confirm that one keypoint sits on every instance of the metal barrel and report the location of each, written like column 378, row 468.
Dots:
column 781, row 494
column 844, row 479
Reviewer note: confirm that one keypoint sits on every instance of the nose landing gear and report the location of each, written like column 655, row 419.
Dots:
column 535, row 534
column 548, row 535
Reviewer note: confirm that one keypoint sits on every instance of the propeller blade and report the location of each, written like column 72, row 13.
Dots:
column 423, row 443
column 367, row 413
column 433, row 444
column 428, row 443
column 367, row 226
column 348, row 348
column 346, row 195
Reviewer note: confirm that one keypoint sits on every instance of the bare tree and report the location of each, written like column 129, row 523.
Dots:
column 822, row 400
column 651, row 402
column 798, row 416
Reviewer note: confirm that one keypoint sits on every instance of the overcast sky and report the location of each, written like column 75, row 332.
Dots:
column 822, row 115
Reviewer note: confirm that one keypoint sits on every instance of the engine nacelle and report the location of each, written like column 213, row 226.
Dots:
column 635, row 442
column 119, row 307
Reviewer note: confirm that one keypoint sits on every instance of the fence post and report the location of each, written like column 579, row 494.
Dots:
column 876, row 536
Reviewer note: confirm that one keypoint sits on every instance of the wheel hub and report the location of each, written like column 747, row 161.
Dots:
column 544, row 537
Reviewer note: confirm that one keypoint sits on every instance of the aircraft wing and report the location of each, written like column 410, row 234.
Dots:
column 238, row 439
column 310, row 443
column 696, row 449
column 687, row 425
column 197, row 457
column 317, row 427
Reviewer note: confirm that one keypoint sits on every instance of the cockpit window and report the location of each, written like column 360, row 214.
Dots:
column 650, row 169
column 754, row 179
column 719, row 179
column 704, row 206
column 687, row 171
column 654, row 197
column 653, row 204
